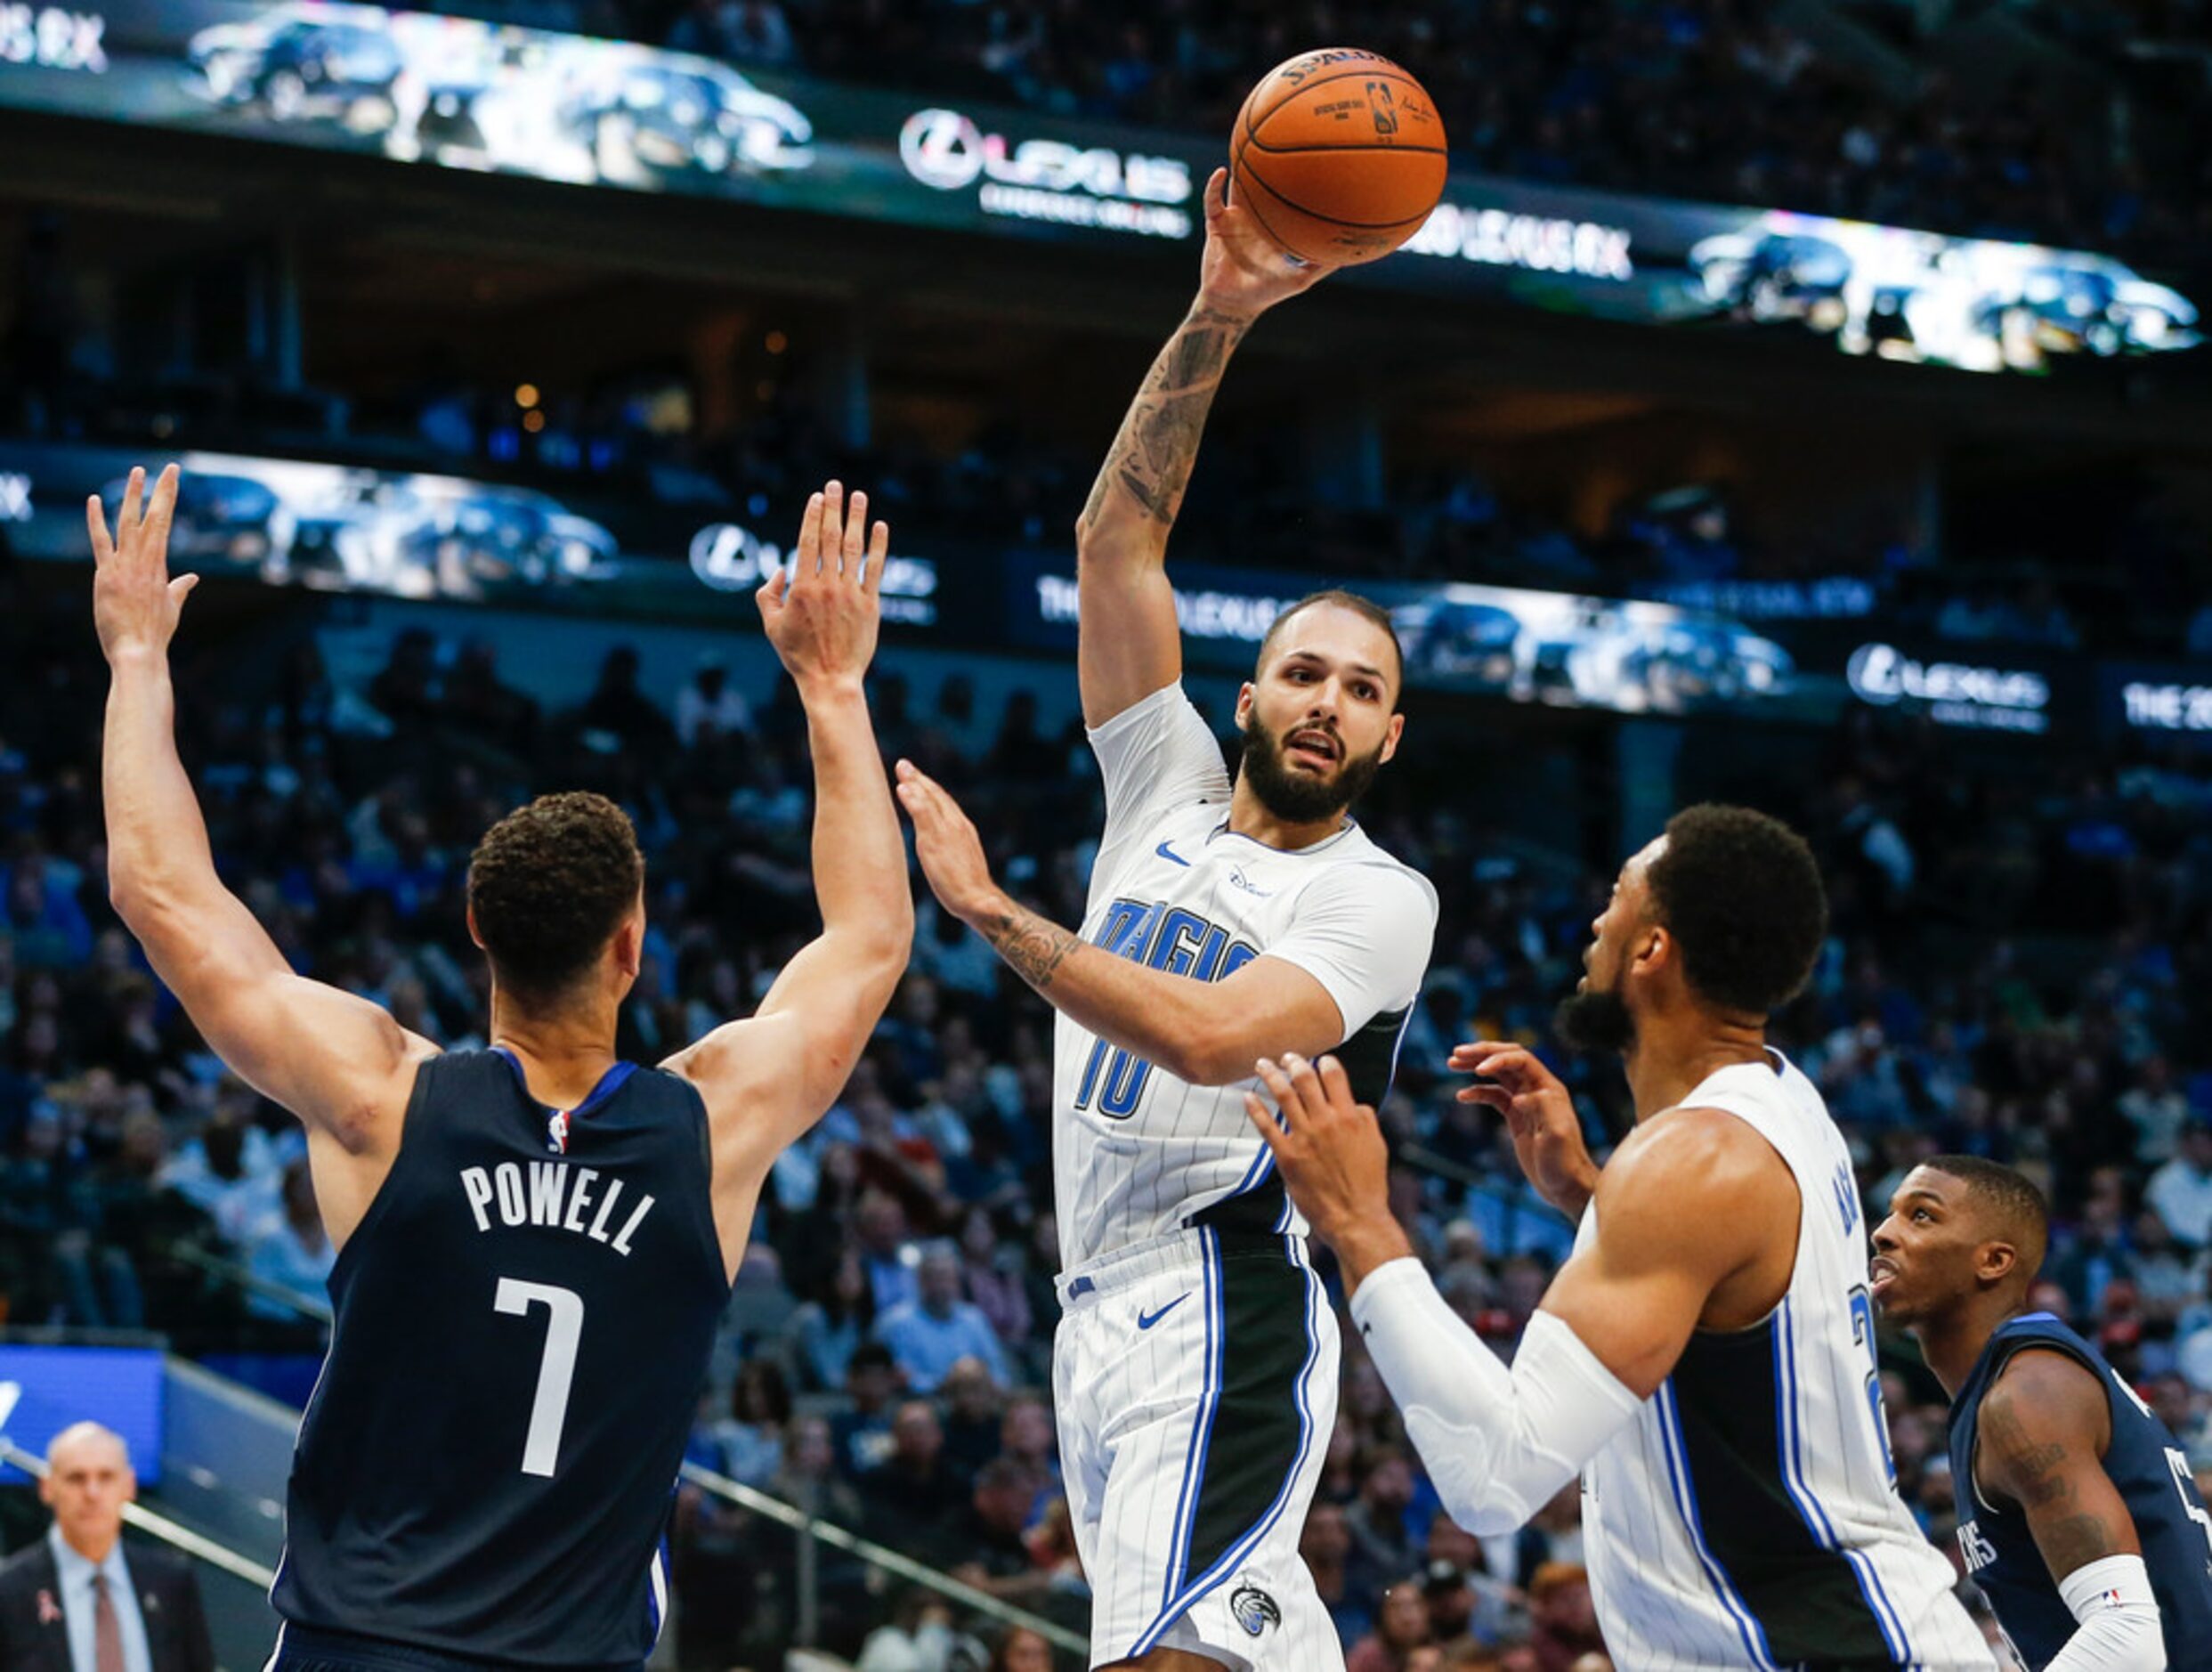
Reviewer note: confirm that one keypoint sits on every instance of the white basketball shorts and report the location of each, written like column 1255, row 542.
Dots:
column 1194, row 1380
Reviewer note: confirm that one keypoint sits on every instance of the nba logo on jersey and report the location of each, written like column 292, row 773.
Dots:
column 557, row 1132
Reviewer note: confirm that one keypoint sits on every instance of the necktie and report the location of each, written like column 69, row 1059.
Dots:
column 107, row 1629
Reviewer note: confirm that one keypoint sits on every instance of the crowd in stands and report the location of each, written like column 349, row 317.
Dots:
column 1716, row 100
column 2020, row 966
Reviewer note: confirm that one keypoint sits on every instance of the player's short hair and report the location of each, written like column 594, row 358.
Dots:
column 1366, row 609
column 2019, row 1211
column 550, row 884
column 1741, row 893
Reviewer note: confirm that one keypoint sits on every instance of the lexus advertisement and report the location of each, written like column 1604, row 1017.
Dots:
column 458, row 92
column 344, row 528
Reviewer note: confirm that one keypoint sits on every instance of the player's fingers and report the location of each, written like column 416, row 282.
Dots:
column 180, row 588
column 1491, row 1096
column 1278, row 1084
column 809, row 548
column 1335, row 1083
column 126, row 519
column 856, row 534
column 96, row 525
column 1264, row 1123
column 1306, row 1084
column 1217, row 193
column 160, row 509
column 879, row 555
column 832, row 527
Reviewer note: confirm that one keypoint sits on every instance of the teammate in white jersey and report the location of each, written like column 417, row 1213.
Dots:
column 1704, row 1359
column 1196, row 1363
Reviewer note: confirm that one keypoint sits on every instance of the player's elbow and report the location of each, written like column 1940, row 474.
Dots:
column 1199, row 1053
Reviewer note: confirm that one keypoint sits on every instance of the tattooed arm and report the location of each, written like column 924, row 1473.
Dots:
column 2044, row 1427
column 1151, row 1013
column 1129, row 645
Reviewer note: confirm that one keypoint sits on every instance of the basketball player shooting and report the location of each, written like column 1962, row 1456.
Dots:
column 536, row 1241
column 1195, row 1367
column 1704, row 1359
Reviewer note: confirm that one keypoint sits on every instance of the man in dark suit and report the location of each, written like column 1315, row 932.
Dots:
column 76, row 1601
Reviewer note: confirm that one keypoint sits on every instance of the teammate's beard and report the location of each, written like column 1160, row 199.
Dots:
column 1595, row 1019
column 1295, row 797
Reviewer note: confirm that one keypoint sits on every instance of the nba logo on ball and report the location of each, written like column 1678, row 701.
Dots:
column 1254, row 1609
column 1338, row 155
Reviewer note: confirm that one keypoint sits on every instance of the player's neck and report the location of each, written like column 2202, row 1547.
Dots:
column 1674, row 1055
column 564, row 1053
column 1249, row 816
column 1952, row 1342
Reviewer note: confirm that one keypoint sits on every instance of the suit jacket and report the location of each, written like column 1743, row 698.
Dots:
column 35, row 1638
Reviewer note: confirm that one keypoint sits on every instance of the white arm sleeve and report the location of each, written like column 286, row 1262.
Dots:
column 2112, row 1598
column 1498, row 1442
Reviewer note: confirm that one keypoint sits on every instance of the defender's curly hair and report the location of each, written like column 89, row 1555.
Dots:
column 550, row 884
column 1742, row 895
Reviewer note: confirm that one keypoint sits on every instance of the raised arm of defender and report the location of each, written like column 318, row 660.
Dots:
column 768, row 1078
column 1127, row 644
column 338, row 1062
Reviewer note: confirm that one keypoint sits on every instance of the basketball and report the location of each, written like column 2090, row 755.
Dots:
column 1339, row 154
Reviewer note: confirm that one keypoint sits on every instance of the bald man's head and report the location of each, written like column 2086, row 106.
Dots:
column 88, row 1482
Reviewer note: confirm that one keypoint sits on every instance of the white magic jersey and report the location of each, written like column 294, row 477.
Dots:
column 1749, row 1517
column 1136, row 1153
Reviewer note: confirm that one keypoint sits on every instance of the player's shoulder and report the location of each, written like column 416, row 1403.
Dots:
column 1355, row 860
column 2043, row 1372
column 1689, row 1162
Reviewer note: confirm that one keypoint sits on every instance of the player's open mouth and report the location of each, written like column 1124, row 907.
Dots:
column 1315, row 747
column 1880, row 1274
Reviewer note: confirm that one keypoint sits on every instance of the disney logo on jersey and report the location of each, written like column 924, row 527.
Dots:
column 1254, row 1610
column 1160, row 936
column 1239, row 879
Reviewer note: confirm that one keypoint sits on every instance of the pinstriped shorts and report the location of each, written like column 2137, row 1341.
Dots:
column 1194, row 1379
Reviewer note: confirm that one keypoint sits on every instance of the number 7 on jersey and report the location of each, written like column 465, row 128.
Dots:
column 564, row 1326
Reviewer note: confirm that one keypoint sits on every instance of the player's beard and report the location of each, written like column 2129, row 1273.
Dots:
column 1297, row 797
column 1595, row 1019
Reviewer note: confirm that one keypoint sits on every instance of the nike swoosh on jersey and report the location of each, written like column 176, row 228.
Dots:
column 1146, row 1320
column 1166, row 852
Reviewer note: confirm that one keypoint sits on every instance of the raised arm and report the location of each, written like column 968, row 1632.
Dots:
column 338, row 1062
column 768, row 1078
column 1128, row 644
column 1687, row 1205
column 2045, row 1425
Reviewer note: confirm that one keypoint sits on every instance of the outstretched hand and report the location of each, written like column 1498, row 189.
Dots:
column 1540, row 1113
column 1243, row 270
column 1331, row 1152
column 135, row 603
column 823, row 610
column 945, row 841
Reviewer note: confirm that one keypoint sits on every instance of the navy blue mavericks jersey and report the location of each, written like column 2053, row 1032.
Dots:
column 2152, row 1474
column 522, row 1323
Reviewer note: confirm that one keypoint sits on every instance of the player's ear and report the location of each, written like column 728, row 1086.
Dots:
column 474, row 933
column 1994, row 1261
column 1245, row 693
column 1396, row 730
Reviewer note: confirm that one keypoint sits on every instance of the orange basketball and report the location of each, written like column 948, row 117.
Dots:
column 1340, row 154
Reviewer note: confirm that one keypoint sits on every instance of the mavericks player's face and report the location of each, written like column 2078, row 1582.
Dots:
column 1924, row 1253
column 1319, row 720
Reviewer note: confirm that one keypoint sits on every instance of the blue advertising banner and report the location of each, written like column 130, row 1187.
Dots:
column 47, row 1389
column 462, row 94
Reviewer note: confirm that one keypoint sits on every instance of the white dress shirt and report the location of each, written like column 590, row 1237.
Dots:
column 76, row 1573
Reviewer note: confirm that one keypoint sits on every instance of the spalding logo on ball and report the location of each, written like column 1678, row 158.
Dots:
column 1339, row 154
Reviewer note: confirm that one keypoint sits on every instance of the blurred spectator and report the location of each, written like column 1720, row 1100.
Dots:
column 2180, row 1192
column 295, row 1252
column 1401, row 1628
column 930, row 1334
